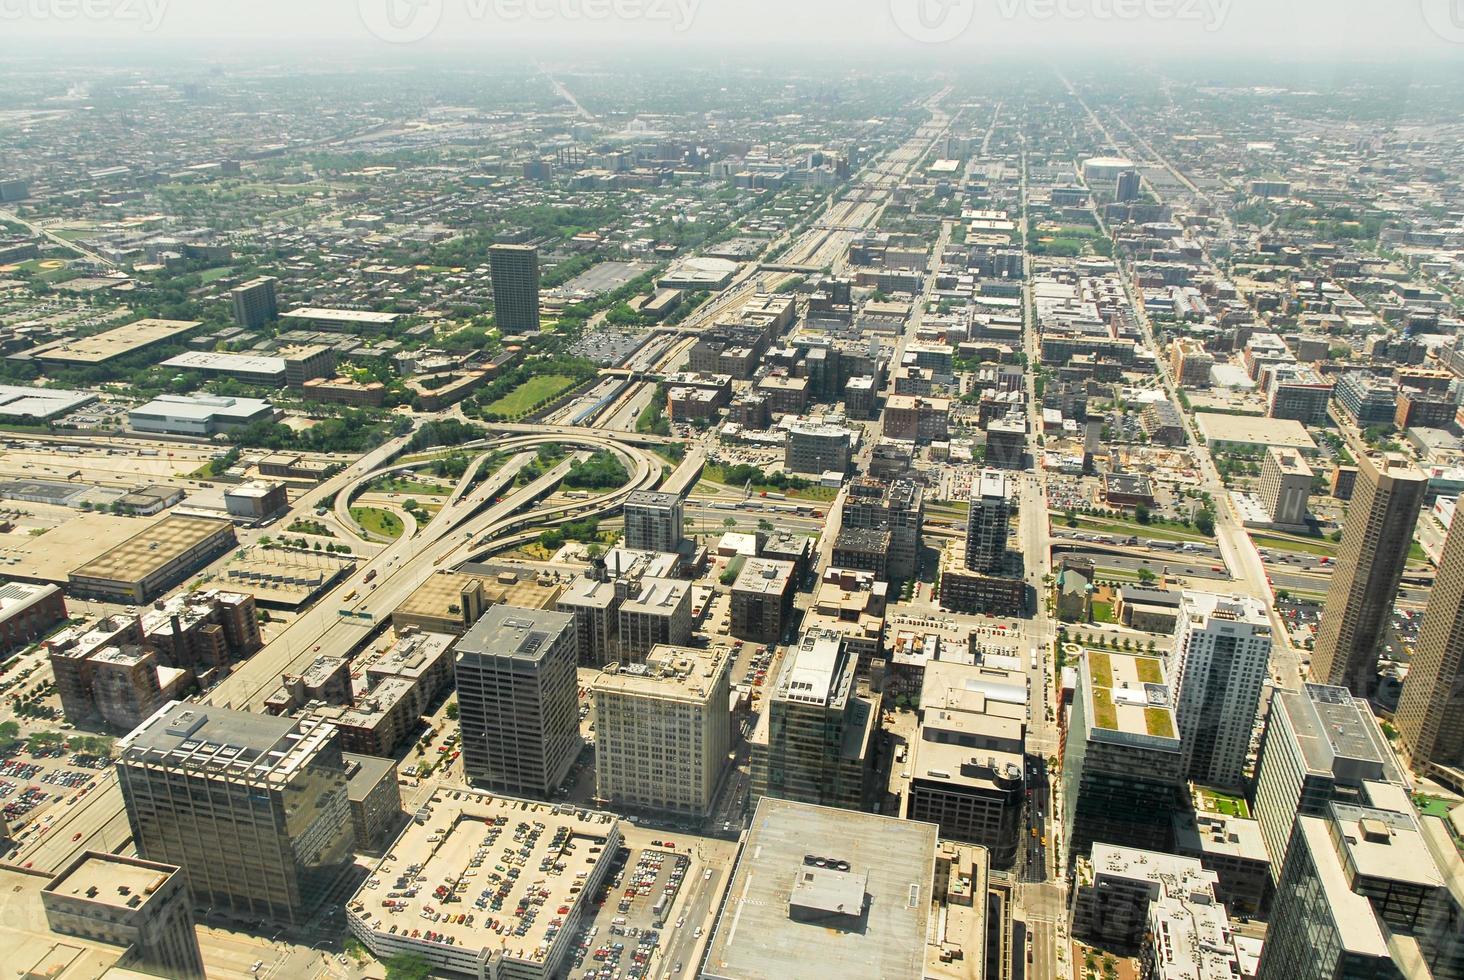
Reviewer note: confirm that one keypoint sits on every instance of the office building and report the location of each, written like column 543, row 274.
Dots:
column 594, row 602
column 762, row 600
column 253, row 808
column 654, row 611
column 1123, row 764
column 251, row 369
column 139, row 905
column 515, row 271
column 816, row 448
column 814, row 743
column 1367, row 892
column 987, row 522
column 898, row 507
column 307, row 362
column 967, row 759
column 916, row 419
column 255, row 303
column 1430, row 715
column 1221, row 659
column 1376, row 537
column 518, row 700
column 1320, row 745
column 663, row 731
column 376, row 801
column 575, row 847
column 256, row 501
column 1233, row 848
column 825, row 891
column 1286, row 483
column 654, row 521
column 198, row 415
column 1114, row 887
column 28, row 612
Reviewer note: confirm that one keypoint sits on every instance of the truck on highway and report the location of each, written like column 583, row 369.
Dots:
column 371, row 575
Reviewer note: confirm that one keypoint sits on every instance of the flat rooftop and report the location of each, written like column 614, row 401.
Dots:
column 1386, row 845
column 18, row 401
column 200, row 360
column 1337, row 734
column 1129, row 695
column 145, row 553
column 323, row 315
column 523, row 634
column 109, row 879
column 509, row 860
column 812, row 669
column 239, row 744
column 766, row 576
column 102, row 347
column 52, row 556
column 878, row 933
column 670, row 673
column 1254, row 431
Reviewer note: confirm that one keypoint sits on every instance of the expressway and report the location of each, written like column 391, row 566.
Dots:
column 98, row 820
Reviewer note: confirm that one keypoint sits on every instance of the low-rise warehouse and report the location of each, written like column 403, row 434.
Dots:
column 152, row 561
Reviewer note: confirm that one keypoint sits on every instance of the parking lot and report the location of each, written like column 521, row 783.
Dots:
column 621, row 940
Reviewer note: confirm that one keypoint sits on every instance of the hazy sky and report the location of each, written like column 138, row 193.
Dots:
column 939, row 27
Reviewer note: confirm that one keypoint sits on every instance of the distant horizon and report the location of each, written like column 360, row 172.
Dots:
column 935, row 31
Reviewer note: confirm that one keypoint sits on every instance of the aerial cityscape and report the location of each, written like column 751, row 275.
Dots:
column 678, row 503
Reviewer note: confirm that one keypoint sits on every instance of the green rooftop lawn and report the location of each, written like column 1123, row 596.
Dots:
column 1148, row 670
column 1159, row 722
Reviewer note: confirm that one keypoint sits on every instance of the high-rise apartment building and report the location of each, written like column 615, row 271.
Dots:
column 255, row 303
column 762, row 600
column 1376, row 537
column 654, row 521
column 1123, row 768
column 1320, row 745
column 1222, row 653
column 515, row 271
column 1286, row 483
column 140, row 905
column 518, row 700
column 1128, row 186
column 663, row 731
column 813, row 744
column 987, row 522
column 897, row 507
column 253, row 808
column 1430, row 714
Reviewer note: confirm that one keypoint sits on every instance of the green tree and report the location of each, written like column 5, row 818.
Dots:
column 408, row 966
column 1141, row 514
column 1205, row 522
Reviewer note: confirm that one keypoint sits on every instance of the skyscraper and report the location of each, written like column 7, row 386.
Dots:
column 653, row 521
column 515, row 271
column 1222, row 649
column 254, row 809
column 1430, row 713
column 987, row 520
column 255, row 303
column 1376, row 538
column 518, row 700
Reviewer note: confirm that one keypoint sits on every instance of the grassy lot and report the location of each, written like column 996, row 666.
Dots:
column 374, row 520
column 1156, row 531
column 1159, row 722
column 717, row 474
column 213, row 275
column 1295, row 545
column 1116, row 575
column 1103, row 612
column 1416, row 552
column 526, row 396
column 397, row 484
